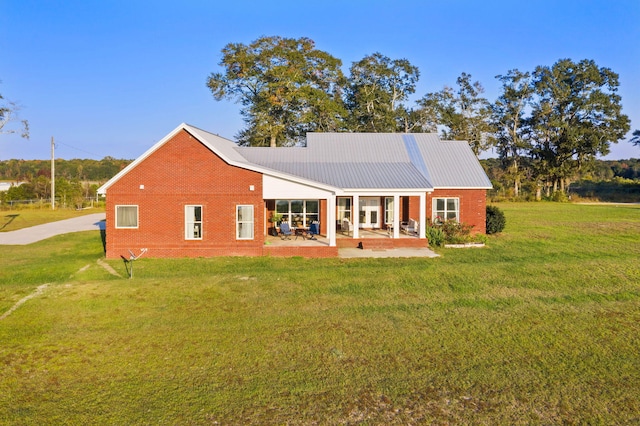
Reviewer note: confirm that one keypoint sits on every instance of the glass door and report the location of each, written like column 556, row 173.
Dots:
column 369, row 212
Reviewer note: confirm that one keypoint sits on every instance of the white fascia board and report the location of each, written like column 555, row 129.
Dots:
column 386, row 191
column 247, row 166
column 463, row 187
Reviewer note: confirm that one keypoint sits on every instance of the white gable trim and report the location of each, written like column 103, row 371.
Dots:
column 194, row 133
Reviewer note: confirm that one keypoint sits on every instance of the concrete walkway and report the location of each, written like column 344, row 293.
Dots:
column 347, row 253
column 90, row 222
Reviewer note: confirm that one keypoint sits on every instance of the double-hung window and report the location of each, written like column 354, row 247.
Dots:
column 446, row 209
column 193, row 222
column 244, row 222
column 126, row 217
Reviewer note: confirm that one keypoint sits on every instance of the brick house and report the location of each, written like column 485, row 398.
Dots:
column 197, row 194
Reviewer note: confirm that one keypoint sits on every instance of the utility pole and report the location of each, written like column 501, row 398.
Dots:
column 53, row 176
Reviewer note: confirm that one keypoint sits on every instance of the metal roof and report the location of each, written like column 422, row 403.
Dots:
column 400, row 161
column 376, row 160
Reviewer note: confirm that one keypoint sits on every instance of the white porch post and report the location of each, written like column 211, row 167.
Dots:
column 331, row 220
column 423, row 215
column 396, row 216
column 356, row 216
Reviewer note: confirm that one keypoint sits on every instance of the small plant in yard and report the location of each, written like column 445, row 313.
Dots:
column 495, row 220
column 435, row 236
column 451, row 232
column 457, row 232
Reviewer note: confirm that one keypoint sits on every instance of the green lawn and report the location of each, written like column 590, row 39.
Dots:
column 542, row 326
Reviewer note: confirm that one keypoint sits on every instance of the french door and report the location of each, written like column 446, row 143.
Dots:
column 369, row 212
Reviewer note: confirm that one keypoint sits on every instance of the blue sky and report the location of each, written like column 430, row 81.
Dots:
column 114, row 77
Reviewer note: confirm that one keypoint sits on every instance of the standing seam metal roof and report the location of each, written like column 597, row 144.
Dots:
column 376, row 160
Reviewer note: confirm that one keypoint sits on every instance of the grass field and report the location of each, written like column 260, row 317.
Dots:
column 542, row 326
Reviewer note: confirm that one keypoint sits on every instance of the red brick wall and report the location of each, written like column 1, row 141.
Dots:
column 183, row 172
column 472, row 206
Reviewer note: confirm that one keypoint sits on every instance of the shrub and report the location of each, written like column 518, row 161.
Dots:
column 457, row 232
column 495, row 220
column 435, row 236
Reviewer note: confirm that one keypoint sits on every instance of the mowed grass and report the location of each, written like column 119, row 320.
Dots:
column 540, row 327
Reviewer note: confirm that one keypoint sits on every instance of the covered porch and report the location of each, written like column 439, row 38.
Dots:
column 399, row 216
column 371, row 243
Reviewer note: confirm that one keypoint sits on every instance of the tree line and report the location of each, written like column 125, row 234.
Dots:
column 80, row 169
column 75, row 180
column 605, row 180
column 548, row 125
column 79, row 179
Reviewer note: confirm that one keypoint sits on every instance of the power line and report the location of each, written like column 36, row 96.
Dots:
column 79, row 149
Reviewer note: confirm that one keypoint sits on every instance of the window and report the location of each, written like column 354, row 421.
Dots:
column 311, row 212
column 126, row 216
column 244, row 222
column 193, row 222
column 344, row 209
column 282, row 208
column 446, row 209
column 388, row 210
column 298, row 212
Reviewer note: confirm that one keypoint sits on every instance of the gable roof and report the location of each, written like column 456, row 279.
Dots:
column 349, row 161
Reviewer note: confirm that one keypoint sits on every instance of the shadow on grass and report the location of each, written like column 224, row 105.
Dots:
column 11, row 217
column 103, row 233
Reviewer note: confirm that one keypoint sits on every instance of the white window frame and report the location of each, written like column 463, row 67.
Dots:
column 305, row 217
column 137, row 216
column 192, row 226
column 344, row 208
column 444, row 213
column 388, row 210
column 244, row 221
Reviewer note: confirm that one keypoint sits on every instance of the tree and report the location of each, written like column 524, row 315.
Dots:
column 636, row 138
column 8, row 113
column 576, row 116
column 463, row 114
column 286, row 87
column 509, row 120
column 377, row 88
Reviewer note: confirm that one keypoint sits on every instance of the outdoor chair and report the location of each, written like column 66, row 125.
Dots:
column 347, row 226
column 285, row 231
column 314, row 229
column 410, row 227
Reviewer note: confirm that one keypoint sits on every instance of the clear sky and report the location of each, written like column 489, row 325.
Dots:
column 111, row 78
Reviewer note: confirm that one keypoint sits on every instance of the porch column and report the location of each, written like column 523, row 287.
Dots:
column 331, row 220
column 396, row 216
column 356, row 216
column 422, row 226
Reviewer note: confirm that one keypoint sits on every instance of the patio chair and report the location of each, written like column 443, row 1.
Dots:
column 410, row 227
column 285, row 231
column 314, row 229
column 347, row 226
